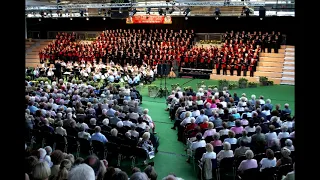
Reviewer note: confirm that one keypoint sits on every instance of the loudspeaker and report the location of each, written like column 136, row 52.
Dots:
column 163, row 69
column 262, row 12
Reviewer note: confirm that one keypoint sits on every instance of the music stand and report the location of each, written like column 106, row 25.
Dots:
column 163, row 71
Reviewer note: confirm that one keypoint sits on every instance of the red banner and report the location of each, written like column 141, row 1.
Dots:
column 149, row 19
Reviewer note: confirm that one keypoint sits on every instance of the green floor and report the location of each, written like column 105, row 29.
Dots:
column 171, row 157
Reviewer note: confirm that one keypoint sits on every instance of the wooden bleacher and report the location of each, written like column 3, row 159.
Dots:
column 288, row 74
column 270, row 65
column 32, row 57
column 225, row 10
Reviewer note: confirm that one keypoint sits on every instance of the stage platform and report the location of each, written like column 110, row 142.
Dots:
column 236, row 78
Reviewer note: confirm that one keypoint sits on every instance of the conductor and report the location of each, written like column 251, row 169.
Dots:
column 57, row 65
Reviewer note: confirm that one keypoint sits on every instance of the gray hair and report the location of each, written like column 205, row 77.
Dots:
column 41, row 170
column 285, row 152
column 258, row 129
column 249, row 154
column 146, row 136
column 284, row 128
column 253, row 96
column 139, row 176
column 114, row 132
column 226, row 146
column 274, row 119
column 81, row 172
column 288, row 142
column 268, row 101
column 105, row 122
column 93, row 121
column 193, row 120
column 216, row 136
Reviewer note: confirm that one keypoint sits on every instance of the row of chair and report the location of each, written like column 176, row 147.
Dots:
column 74, row 145
column 227, row 167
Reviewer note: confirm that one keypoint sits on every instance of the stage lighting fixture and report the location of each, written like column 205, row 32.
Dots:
column 148, row 10
column 186, row 18
column 39, row 19
column 171, row 10
column 247, row 12
column 81, row 13
column 120, row 10
column 134, row 11
column 262, row 12
column 99, row 11
column 104, row 18
column 216, row 17
column 87, row 19
column 160, row 11
column 71, row 19
column 187, row 11
column 217, row 12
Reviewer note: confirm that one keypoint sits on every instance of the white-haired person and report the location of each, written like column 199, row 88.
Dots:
column 209, row 154
column 186, row 120
column 81, row 172
column 271, row 135
column 289, row 145
column 147, row 145
column 200, row 92
column 41, row 171
column 284, row 132
column 60, row 130
column 253, row 99
column 83, row 134
column 190, row 126
column 139, row 176
column 286, row 110
column 285, row 159
column 147, row 117
column 43, row 157
column 224, row 130
column 269, row 161
column 105, row 125
column 235, row 114
column 211, row 131
column 249, row 163
column 226, row 152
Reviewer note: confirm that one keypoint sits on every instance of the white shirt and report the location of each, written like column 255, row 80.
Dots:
column 288, row 124
column 61, row 131
column 195, row 113
column 262, row 102
column 270, row 136
column 283, row 135
column 84, row 135
column 185, row 121
column 142, row 125
column 197, row 144
column 249, row 129
column 267, row 163
column 224, row 104
column 266, row 112
column 224, row 132
column 127, row 123
column 209, row 155
column 224, row 154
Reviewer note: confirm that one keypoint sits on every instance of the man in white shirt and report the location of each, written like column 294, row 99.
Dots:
column 186, row 120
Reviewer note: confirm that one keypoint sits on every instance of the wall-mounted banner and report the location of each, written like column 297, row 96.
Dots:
column 149, row 19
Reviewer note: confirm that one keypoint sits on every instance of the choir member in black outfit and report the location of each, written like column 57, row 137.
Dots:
column 232, row 66
column 224, row 66
column 238, row 67
column 218, row 65
column 269, row 44
column 245, row 67
column 263, row 44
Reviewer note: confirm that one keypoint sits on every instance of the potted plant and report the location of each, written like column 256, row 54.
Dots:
column 152, row 90
column 263, row 81
column 243, row 82
column 212, row 86
column 201, row 84
column 223, row 83
column 252, row 85
column 174, row 86
column 270, row 83
column 232, row 86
